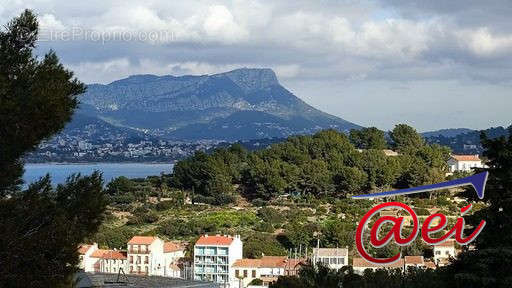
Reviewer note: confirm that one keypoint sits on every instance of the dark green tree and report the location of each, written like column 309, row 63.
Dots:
column 368, row 138
column 41, row 226
column 405, row 137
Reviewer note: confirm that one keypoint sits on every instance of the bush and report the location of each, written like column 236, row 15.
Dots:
column 258, row 202
column 165, row 205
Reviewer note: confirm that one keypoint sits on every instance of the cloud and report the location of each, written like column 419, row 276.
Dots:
column 332, row 43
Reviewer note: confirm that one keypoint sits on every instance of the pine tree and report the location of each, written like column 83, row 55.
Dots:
column 43, row 225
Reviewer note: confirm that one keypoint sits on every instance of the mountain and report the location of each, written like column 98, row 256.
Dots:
column 468, row 142
column 452, row 132
column 237, row 105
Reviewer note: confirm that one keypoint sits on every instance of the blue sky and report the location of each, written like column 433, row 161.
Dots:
column 432, row 64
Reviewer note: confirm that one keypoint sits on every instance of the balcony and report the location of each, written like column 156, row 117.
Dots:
column 131, row 251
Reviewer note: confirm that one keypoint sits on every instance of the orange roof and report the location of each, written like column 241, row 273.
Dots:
column 466, row 157
column 171, row 247
column 215, row 240
column 360, row 262
column 247, row 263
column 265, row 261
column 83, row 248
column 292, row 263
column 448, row 243
column 430, row 264
column 416, row 260
column 108, row 254
column 142, row 240
column 273, row 261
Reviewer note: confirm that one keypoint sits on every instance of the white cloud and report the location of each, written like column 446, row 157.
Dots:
column 483, row 43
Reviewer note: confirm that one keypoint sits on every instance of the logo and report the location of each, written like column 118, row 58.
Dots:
column 427, row 228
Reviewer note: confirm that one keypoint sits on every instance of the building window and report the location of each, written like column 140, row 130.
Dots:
column 146, row 260
column 438, row 252
column 237, row 273
column 333, row 260
column 245, row 273
column 253, row 273
column 341, row 261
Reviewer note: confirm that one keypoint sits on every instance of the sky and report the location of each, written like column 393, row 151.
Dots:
column 431, row 64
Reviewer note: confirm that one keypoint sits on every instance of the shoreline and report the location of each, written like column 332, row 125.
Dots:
column 97, row 163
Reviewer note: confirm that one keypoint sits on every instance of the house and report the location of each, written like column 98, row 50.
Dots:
column 334, row 258
column 93, row 259
column 444, row 251
column 150, row 255
column 464, row 163
column 109, row 261
column 293, row 266
column 414, row 261
column 214, row 257
column 86, row 262
column 173, row 253
column 267, row 269
column 361, row 264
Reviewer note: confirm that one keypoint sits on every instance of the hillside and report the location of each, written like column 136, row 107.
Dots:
column 237, row 105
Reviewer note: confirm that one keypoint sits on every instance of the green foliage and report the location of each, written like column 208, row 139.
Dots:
column 258, row 244
column 368, row 138
column 113, row 237
column 405, row 137
column 43, row 225
column 37, row 97
column 46, row 225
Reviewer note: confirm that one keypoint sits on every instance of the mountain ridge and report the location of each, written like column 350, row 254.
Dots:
column 166, row 105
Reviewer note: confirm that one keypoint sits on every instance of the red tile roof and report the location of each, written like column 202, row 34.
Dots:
column 415, row 260
column 448, row 243
column 273, row 261
column 292, row 263
column 265, row 261
column 171, row 247
column 466, row 157
column 108, row 254
column 360, row 262
column 214, row 240
column 83, row 248
column 247, row 263
column 142, row 240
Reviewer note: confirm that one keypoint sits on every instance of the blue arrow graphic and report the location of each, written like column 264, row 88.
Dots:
column 477, row 181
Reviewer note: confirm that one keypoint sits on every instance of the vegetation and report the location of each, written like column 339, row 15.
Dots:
column 326, row 164
column 43, row 225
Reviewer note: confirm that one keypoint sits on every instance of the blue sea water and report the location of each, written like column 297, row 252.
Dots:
column 59, row 172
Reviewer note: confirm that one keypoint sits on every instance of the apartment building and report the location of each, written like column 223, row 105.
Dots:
column 214, row 257
column 149, row 255
column 334, row 258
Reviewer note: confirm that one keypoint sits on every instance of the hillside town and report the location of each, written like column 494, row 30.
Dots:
column 218, row 259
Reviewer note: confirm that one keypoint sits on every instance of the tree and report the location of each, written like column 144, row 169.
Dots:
column 368, row 138
column 41, row 226
column 405, row 137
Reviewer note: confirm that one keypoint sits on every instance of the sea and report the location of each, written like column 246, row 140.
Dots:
column 60, row 171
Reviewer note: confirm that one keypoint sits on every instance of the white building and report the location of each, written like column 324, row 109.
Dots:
column 86, row 261
column 148, row 255
column 444, row 251
column 334, row 258
column 464, row 163
column 214, row 257
column 93, row 259
column 267, row 269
